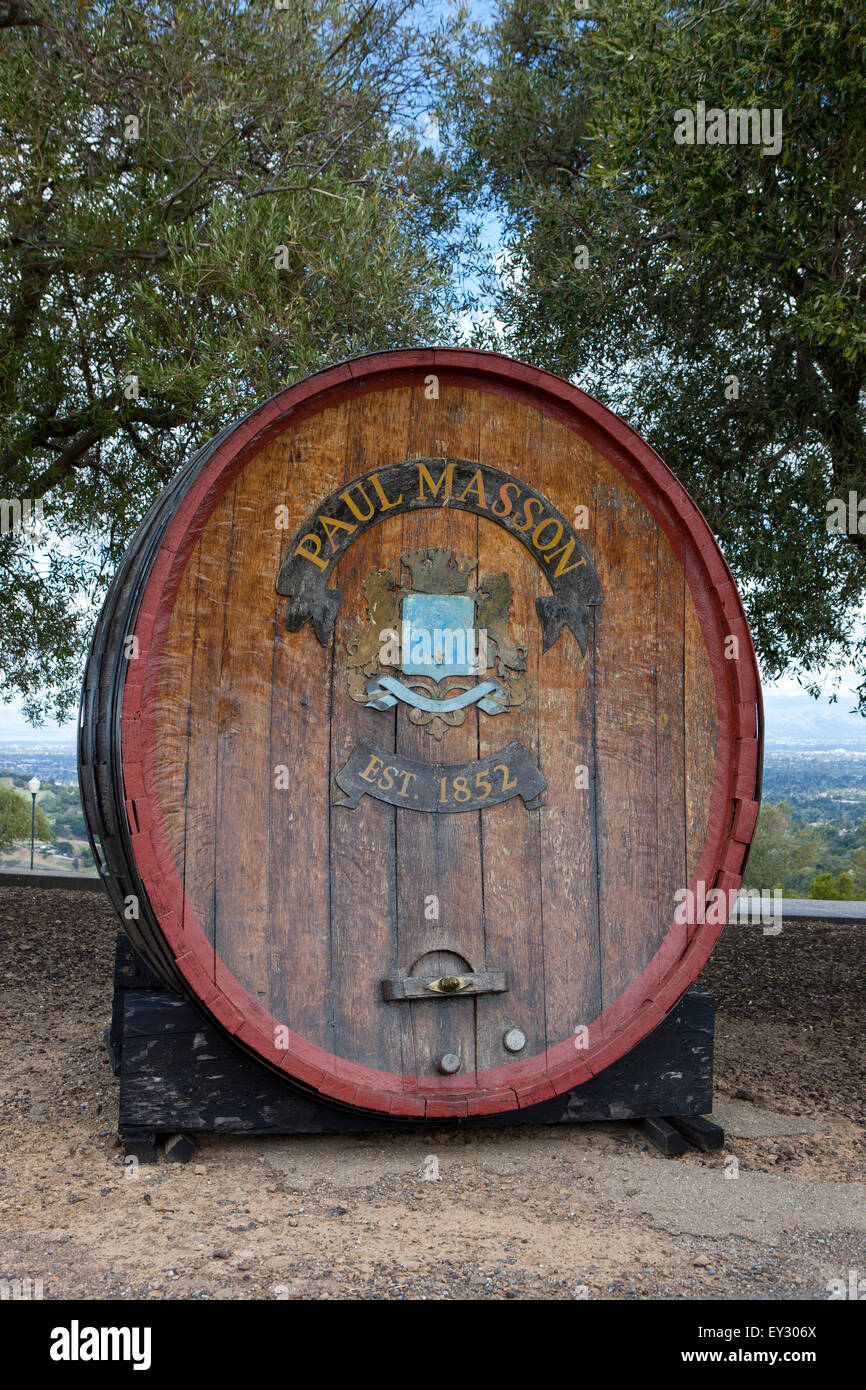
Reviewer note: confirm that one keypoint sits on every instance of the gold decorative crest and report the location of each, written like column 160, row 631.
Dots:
column 437, row 702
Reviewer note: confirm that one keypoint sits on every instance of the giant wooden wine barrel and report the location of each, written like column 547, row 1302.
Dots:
column 421, row 702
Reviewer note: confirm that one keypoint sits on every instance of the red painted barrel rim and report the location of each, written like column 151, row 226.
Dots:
column 733, row 807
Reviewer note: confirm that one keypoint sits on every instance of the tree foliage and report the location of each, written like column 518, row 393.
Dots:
column 781, row 851
column 858, row 876
column 15, row 818
column 201, row 202
column 705, row 263
column 832, row 887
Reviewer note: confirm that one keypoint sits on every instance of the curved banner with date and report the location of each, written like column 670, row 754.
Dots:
column 441, row 787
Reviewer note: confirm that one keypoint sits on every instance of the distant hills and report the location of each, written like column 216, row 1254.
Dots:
column 794, row 720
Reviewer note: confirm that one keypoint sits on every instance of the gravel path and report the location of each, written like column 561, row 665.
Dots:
column 544, row 1212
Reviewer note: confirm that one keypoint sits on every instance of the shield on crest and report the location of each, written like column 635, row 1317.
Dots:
column 440, row 634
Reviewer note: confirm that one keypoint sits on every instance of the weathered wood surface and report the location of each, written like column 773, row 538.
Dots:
column 311, row 905
column 440, row 856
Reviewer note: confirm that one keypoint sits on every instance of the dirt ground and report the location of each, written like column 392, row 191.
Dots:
column 579, row 1211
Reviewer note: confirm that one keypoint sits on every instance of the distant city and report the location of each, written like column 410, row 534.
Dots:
column 55, row 762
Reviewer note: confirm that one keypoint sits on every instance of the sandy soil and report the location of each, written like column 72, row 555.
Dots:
column 544, row 1212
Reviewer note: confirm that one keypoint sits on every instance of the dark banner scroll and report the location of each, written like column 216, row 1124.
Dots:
column 441, row 787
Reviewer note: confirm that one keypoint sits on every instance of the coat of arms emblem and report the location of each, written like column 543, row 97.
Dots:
column 437, row 644
column 441, row 641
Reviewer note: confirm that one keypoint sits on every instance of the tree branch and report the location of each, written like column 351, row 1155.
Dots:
column 206, row 166
column 293, row 188
column 17, row 15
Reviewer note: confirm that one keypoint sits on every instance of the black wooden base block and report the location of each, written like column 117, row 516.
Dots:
column 140, row 1145
column 179, row 1148
column 663, row 1135
column 180, row 1074
column 704, row 1134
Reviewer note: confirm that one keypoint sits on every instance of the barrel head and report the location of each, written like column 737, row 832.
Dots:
column 439, row 676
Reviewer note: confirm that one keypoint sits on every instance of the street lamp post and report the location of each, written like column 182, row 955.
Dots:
column 33, row 787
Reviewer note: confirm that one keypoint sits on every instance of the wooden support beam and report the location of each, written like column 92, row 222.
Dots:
column 663, row 1135
column 701, row 1132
